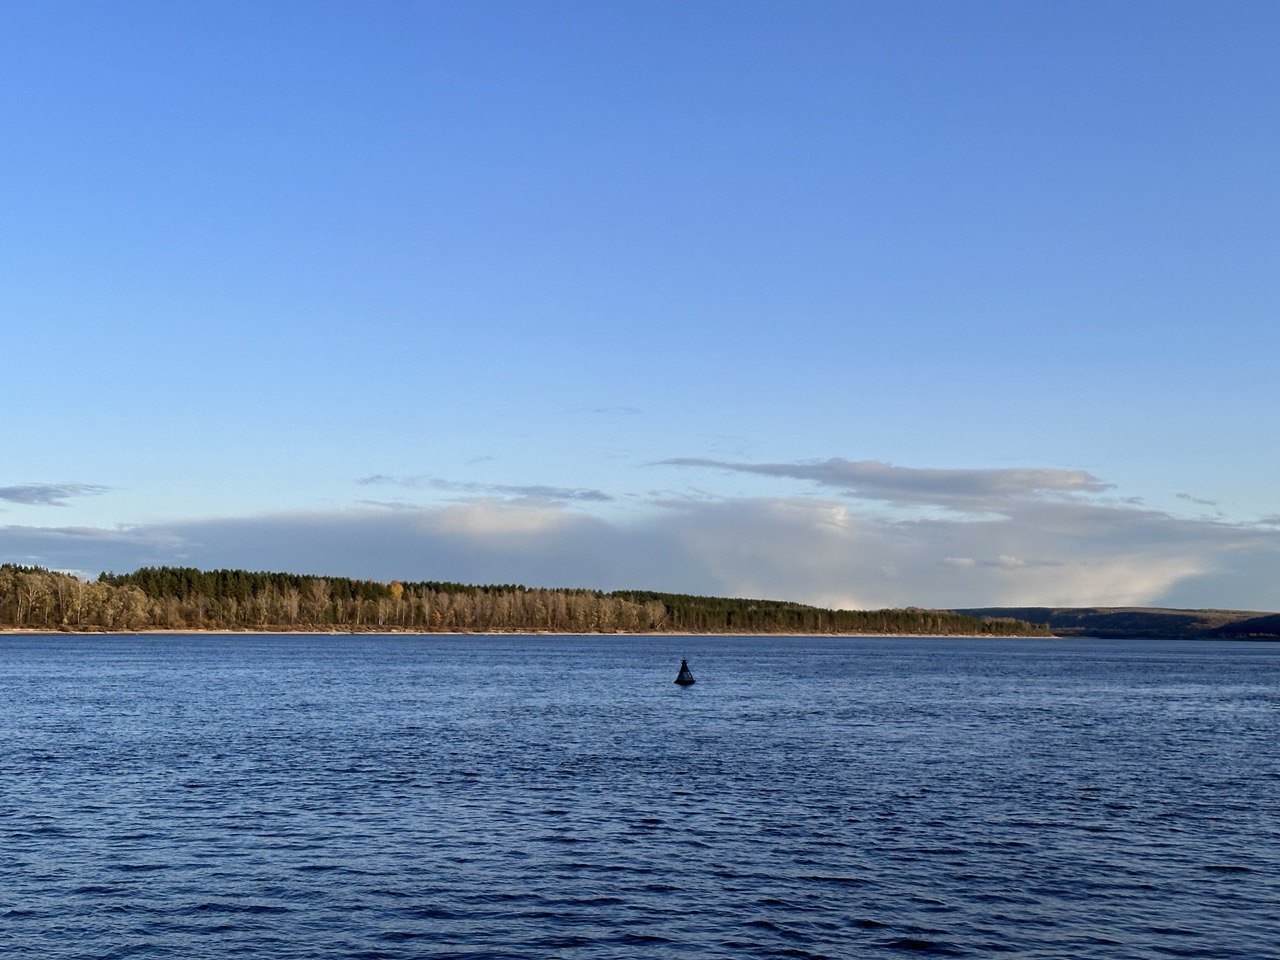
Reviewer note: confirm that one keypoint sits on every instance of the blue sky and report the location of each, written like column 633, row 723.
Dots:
column 855, row 303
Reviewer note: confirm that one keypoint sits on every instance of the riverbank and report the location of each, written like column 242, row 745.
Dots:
column 383, row 632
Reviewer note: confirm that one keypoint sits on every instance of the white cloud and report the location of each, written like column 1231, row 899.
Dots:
column 1097, row 581
column 487, row 520
column 1056, row 549
column 800, row 549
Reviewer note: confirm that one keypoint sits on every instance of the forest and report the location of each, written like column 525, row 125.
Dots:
column 184, row 598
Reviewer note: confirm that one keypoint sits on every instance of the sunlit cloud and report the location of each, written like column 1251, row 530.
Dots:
column 829, row 552
column 1029, row 536
column 485, row 520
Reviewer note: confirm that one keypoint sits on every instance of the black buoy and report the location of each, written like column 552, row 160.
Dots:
column 685, row 676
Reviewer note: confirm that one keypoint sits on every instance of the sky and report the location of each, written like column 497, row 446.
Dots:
column 859, row 304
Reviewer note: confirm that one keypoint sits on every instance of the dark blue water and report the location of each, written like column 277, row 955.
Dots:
column 342, row 797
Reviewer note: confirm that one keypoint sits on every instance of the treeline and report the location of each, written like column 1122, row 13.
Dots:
column 694, row 614
column 183, row 598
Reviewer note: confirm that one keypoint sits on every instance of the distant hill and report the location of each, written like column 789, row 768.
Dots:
column 1144, row 622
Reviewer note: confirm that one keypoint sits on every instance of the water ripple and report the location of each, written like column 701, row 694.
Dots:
column 406, row 798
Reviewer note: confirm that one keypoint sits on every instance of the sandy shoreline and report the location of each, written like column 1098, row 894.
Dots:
column 25, row 631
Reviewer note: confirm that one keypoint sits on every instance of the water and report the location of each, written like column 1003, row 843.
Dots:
column 381, row 797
